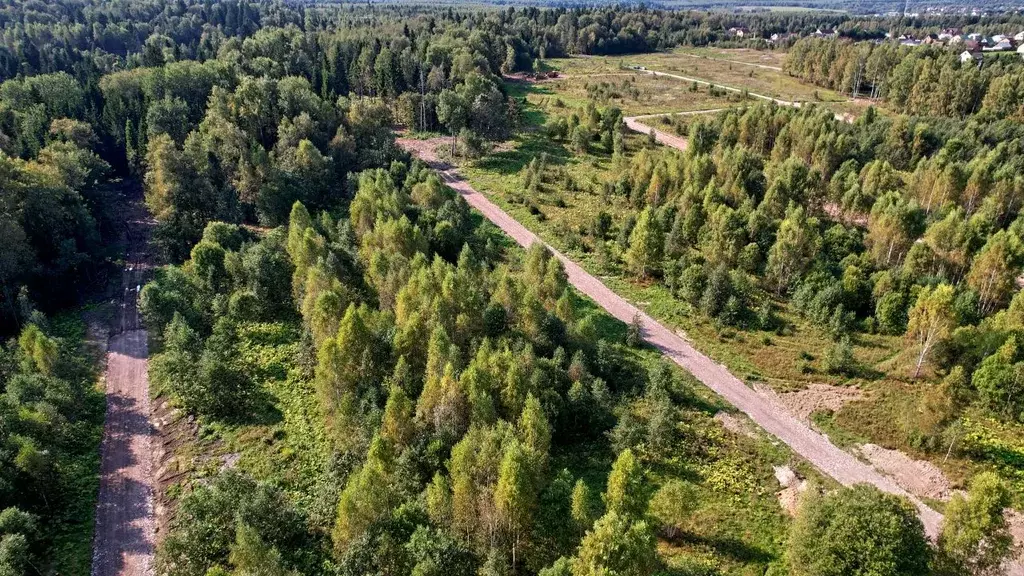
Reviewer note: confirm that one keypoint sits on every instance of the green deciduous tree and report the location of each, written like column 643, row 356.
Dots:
column 931, row 320
column 515, row 495
column 999, row 380
column 645, row 246
column 617, row 545
column 857, row 531
column 995, row 269
column 795, row 247
column 582, row 506
column 626, row 494
column 975, row 537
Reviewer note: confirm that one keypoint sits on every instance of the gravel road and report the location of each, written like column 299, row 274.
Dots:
column 762, row 409
column 677, row 142
column 123, row 542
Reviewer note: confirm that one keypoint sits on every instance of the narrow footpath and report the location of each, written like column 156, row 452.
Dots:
column 762, row 409
column 124, row 539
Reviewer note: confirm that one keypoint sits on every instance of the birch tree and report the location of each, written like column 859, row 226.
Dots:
column 931, row 320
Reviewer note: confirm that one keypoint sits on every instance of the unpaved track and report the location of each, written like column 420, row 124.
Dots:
column 123, row 543
column 778, row 101
column 678, row 142
column 740, row 62
column 762, row 409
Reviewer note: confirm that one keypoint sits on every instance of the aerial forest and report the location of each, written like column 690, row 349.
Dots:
column 368, row 377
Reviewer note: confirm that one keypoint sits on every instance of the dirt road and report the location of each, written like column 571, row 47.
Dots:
column 635, row 124
column 778, row 101
column 761, row 408
column 123, row 542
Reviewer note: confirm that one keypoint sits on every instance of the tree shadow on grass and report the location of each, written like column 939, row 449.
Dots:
column 726, row 546
column 532, row 145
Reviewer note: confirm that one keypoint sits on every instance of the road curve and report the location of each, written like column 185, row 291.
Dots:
column 662, row 137
column 765, row 411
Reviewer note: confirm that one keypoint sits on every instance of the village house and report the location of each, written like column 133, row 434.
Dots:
column 967, row 57
column 1000, row 46
column 777, row 38
column 949, row 33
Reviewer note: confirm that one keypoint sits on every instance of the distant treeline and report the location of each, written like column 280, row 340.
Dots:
column 921, row 80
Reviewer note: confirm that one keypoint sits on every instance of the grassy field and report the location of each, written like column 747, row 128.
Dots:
column 714, row 70
column 635, row 93
column 775, row 58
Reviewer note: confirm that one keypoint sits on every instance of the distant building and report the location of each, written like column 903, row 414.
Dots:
column 1001, row 46
column 739, row 31
column 1019, row 37
column 967, row 57
column 1020, row 50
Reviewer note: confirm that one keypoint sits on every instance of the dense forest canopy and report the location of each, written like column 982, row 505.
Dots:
column 253, row 88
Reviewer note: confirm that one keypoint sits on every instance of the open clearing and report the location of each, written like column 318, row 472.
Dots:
column 636, row 93
column 774, row 83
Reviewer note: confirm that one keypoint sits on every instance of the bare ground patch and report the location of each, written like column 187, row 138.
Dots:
column 815, row 397
column 736, row 424
column 176, row 432
column 921, row 478
column 793, row 487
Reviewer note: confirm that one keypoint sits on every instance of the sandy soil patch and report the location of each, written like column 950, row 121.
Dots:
column 736, row 424
column 793, row 487
column 918, row 477
column 803, row 403
column 1016, row 521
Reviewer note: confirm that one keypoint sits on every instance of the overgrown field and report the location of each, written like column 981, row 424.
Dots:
column 635, row 93
column 576, row 188
column 682, row 62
